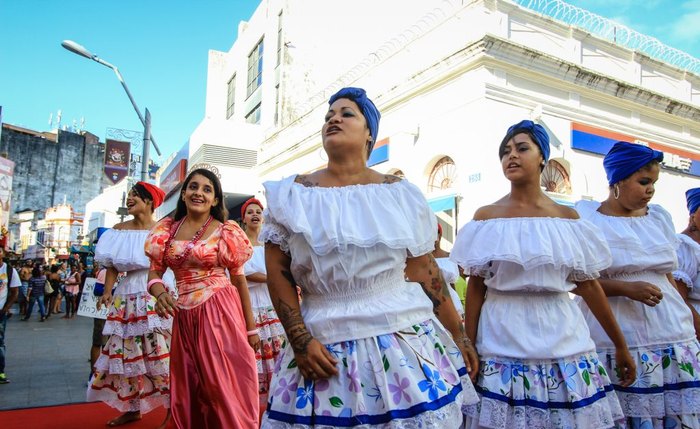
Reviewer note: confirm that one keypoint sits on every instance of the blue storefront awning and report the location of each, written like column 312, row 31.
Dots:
column 442, row 203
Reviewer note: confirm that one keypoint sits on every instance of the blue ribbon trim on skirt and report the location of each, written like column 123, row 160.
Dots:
column 545, row 405
column 371, row 420
column 658, row 389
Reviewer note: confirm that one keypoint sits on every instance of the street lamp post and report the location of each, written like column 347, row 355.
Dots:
column 147, row 137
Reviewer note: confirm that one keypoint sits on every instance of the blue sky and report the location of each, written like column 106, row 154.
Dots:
column 674, row 22
column 161, row 49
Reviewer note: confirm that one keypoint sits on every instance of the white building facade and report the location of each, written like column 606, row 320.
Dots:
column 449, row 78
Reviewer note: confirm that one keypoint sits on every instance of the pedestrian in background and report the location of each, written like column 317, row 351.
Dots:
column 25, row 273
column 37, row 284
column 72, row 287
column 9, row 289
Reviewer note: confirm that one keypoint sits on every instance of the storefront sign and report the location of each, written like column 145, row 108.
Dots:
column 175, row 177
column 597, row 140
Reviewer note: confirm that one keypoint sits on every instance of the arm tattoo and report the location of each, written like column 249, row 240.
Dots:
column 437, row 289
column 390, row 178
column 293, row 324
column 436, row 302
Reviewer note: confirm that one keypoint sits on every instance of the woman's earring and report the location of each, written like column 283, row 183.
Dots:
column 616, row 191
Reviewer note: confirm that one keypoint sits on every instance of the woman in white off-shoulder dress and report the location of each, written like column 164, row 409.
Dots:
column 688, row 273
column 656, row 321
column 367, row 348
column 132, row 373
column 524, row 254
column 267, row 323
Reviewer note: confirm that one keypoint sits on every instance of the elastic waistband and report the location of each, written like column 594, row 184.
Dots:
column 647, row 276
column 527, row 293
column 368, row 292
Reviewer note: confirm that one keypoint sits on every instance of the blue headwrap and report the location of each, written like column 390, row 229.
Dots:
column 537, row 131
column 369, row 110
column 624, row 159
column 693, row 198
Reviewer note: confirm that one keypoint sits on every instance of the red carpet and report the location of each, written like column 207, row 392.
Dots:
column 81, row 416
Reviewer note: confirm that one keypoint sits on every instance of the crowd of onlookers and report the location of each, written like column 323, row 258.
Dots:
column 50, row 286
column 54, row 288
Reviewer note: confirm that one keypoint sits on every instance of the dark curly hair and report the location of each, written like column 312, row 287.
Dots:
column 218, row 211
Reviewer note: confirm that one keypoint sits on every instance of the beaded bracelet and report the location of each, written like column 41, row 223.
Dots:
column 252, row 332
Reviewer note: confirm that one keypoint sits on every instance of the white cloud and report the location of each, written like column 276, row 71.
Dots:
column 686, row 29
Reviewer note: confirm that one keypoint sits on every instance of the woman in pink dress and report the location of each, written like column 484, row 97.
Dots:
column 214, row 381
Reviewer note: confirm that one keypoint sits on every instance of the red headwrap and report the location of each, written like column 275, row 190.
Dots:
column 157, row 194
column 249, row 202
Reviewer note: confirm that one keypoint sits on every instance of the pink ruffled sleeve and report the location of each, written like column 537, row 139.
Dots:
column 234, row 248
column 155, row 244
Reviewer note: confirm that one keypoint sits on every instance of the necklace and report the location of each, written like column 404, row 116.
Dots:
column 174, row 261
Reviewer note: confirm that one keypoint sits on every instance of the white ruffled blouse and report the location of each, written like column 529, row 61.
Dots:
column 643, row 249
column 123, row 249
column 348, row 247
column 528, row 266
column 259, row 295
column 642, row 243
column 689, row 265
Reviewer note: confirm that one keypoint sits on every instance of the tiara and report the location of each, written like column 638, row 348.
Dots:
column 203, row 165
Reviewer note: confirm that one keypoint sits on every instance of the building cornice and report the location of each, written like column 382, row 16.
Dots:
column 495, row 52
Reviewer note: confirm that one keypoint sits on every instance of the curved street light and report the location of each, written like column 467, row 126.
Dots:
column 147, row 138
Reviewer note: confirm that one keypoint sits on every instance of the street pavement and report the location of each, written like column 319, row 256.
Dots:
column 47, row 363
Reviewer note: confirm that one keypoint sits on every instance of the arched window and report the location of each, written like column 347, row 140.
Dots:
column 555, row 178
column 443, row 176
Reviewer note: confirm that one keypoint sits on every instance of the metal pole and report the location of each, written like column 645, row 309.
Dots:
column 133, row 102
column 121, row 214
column 83, row 52
column 146, row 146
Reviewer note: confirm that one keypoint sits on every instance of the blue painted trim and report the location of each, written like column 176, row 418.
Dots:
column 442, row 203
column 367, row 419
column 378, row 155
column 658, row 389
column 545, row 405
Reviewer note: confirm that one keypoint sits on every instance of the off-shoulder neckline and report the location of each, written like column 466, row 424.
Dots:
column 527, row 218
column 293, row 179
column 607, row 216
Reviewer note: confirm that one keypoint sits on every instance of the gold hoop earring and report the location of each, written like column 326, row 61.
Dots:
column 616, row 191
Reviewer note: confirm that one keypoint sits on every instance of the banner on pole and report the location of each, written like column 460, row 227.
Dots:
column 117, row 157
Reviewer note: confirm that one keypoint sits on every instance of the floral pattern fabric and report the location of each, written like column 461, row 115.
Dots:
column 666, row 392
column 203, row 273
column 412, row 378
column 132, row 371
column 561, row 393
column 272, row 338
